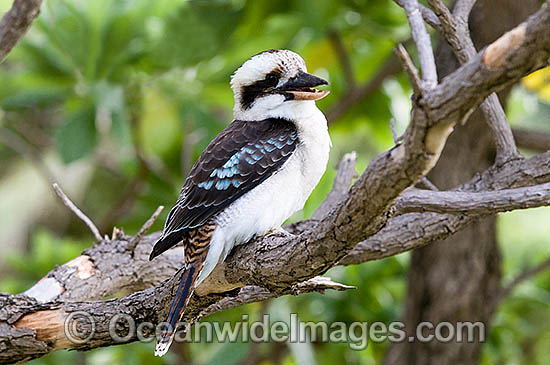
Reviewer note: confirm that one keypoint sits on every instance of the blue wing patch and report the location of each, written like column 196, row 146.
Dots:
column 240, row 158
column 223, row 177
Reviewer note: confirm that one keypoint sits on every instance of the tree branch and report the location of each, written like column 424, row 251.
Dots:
column 427, row 14
column 77, row 212
column 146, row 226
column 346, row 173
column 108, row 267
column 409, row 68
column 482, row 203
column 422, row 40
column 409, row 231
column 16, row 22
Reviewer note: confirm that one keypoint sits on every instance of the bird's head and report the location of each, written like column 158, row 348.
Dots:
column 271, row 83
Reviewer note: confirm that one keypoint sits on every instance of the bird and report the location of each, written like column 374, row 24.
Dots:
column 253, row 175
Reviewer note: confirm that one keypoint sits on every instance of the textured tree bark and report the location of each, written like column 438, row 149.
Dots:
column 457, row 279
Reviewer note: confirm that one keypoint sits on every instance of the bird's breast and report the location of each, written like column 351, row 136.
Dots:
column 273, row 201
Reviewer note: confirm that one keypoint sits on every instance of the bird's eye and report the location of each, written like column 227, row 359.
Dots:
column 272, row 79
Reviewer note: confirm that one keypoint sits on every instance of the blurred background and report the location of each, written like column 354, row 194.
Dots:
column 115, row 100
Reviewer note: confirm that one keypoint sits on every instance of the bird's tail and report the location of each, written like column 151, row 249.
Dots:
column 183, row 294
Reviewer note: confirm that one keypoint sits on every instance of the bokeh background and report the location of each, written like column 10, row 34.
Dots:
column 115, row 100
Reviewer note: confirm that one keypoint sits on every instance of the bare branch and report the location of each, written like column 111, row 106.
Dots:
column 409, row 68
column 423, row 43
column 247, row 294
column 69, row 204
column 346, row 173
column 443, row 14
column 16, row 22
column 344, row 176
column 486, row 202
column 146, row 226
column 104, row 270
column 49, row 321
column 319, row 284
column 396, row 139
column 502, row 132
column 456, row 34
column 427, row 14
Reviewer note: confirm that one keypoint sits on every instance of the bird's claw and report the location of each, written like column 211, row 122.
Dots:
column 278, row 230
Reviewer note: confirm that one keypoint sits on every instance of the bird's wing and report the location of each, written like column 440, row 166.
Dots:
column 240, row 158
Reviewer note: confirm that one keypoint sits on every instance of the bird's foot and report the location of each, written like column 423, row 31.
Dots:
column 278, row 231
column 272, row 231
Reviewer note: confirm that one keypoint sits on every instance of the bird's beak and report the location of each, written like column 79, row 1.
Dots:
column 302, row 87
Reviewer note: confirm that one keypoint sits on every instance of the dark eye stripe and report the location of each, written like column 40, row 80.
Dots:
column 251, row 92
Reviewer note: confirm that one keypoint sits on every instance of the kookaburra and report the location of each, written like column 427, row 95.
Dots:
column 254, row 175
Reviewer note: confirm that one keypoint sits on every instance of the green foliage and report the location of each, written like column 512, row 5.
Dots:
column 76, row 137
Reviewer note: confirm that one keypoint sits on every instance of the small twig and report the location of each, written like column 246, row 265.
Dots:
column 396, row 139
column 505, row 291
column 500, row 127
column 344, row 176
column 16, row 22
column 409, row 68
column 78, row 212
column 427, row 14
column 146, row 226
column 423, row 43
column 319, row 284
column 442, row 12
column 393, row 132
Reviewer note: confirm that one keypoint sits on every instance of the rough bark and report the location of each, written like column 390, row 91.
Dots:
column 16, row 22
column 457, row 279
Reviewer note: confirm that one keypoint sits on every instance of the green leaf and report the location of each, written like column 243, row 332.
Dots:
column 77, row 136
